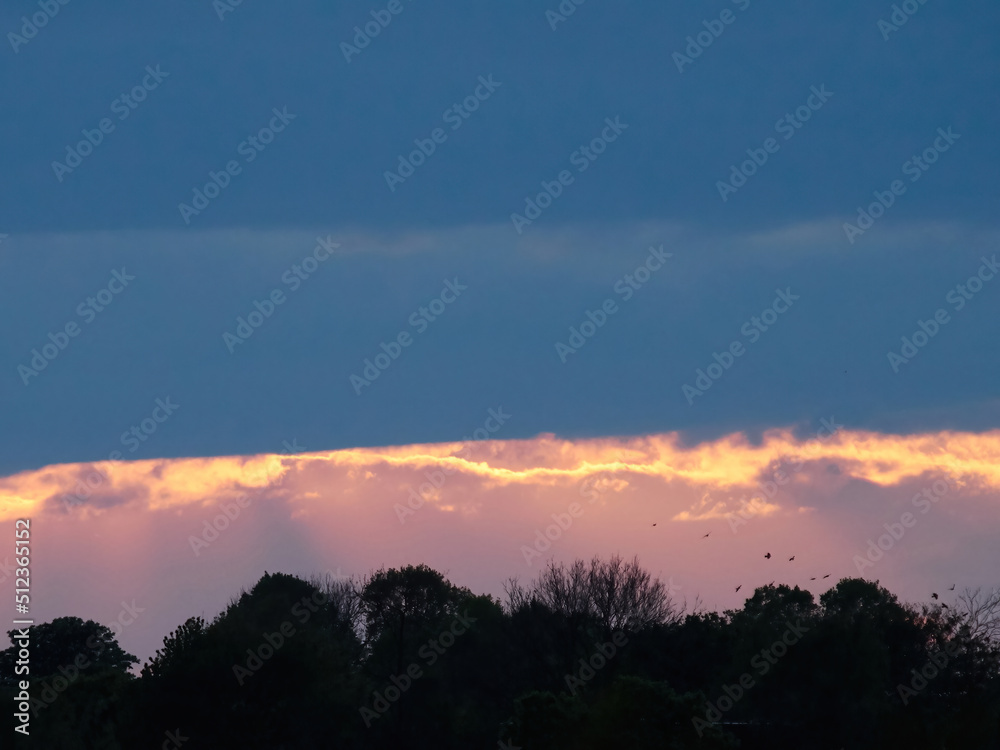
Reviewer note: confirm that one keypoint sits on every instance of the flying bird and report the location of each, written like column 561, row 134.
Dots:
column 934, row 596
column 791, row 558
column 944, row 605
column 952, row 587
column 738, row 588
column 767, row 556
column 654, row 524
column 813, row 578
column 706, row 535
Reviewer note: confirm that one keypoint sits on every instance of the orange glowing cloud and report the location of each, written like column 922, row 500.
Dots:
column 714, row 470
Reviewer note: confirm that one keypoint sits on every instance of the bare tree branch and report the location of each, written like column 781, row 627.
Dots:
column 980, row 611
column 619, row 595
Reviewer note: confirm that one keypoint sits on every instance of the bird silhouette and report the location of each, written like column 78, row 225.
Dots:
column 813, row 578
column 944, row 605
column 706, row 535
column 767, row 556
column 791, row 558
column 654, row 524
column 952, row 587
column 827, row 575
column 738, row 588
column 934, row 596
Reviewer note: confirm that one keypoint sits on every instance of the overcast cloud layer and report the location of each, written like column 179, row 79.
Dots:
column 635, row 117
column 495, row 344
column 891, row 90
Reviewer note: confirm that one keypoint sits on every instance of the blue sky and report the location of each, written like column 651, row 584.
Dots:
column 656, row 184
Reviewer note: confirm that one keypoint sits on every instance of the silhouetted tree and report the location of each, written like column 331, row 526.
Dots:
column 66, row 641
column 405, row 658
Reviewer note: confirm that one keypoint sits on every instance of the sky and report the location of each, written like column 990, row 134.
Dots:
column 349, row 231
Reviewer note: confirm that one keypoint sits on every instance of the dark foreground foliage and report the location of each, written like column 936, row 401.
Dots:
column 593, row 655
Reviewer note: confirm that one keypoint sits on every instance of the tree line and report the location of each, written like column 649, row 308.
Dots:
column 591, row 654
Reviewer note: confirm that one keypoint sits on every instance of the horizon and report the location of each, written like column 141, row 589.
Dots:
column 312, row 288
column 485, row 510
